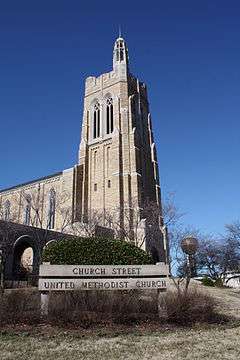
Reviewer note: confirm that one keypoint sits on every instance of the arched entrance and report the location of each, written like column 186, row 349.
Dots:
column 25, row 257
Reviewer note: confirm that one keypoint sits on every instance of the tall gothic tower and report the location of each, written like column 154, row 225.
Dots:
column 117, row 171
column 117, row 156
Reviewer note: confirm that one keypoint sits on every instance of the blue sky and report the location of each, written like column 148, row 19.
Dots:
column 186, row 51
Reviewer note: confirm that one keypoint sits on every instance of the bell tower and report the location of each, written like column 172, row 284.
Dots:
column 117, row 166
column 120, row 57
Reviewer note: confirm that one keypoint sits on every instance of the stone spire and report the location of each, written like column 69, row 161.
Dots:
column 119, row 31
column 120, row 56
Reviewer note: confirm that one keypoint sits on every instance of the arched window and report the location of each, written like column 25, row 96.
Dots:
column 120, row 52
column 7, row 207
column 109, row 124
column 51, row 209
column 96, row 120
column 27, row 212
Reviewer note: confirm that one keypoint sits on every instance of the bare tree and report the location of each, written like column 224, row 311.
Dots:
column 177, row 231
column 135, row 224
column 38, row 217
column 179, row 264
column 217, row 257
column 233, row 231
column 39, row 213
column 171, row 213
column 87, row 227
column 126, row 222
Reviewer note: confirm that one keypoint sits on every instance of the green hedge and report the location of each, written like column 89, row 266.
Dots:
column 94, row 251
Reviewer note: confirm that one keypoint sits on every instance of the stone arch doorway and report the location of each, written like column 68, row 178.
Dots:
column 25, row 258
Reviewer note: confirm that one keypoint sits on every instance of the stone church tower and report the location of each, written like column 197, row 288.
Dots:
column 117, row 156
column 117, row 170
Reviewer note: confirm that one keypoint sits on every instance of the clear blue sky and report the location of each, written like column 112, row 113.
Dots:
column 187, row 52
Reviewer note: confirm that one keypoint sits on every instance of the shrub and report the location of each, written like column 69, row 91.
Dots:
column 206, row 281
column 94, row 251
column 19, row 306
column 218, row 282
column 86, row 308
column 189, row 308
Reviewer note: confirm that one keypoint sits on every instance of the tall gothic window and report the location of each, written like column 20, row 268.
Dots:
column 51, row 209
column 109, row 116
column 27, row 212
column 7, row 207
column 96, row 121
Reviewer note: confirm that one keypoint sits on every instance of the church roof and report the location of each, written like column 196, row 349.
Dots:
column 31, row 182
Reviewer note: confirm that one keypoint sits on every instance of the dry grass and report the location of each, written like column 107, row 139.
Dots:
column 228, row 300
column 209, row 342
column 213, row 343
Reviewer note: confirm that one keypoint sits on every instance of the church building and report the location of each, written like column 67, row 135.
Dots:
column 117, row 170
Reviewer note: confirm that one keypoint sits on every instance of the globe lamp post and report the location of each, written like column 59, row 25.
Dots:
column 189, row 246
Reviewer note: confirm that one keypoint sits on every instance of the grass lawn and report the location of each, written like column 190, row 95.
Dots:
column 213, row 343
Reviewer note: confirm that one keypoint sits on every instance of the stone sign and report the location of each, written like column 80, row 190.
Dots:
column 101, row 284
column 103, row 270
column 109, row 277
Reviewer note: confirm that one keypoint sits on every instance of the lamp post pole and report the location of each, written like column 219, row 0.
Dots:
column 189, row 246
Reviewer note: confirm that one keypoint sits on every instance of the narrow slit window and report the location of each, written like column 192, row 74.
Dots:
column 109, row 183
column 94, row 164
column 109, row 120
column 95, row 125
column 95, row 187
column 108, row 160
column 96, row 121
